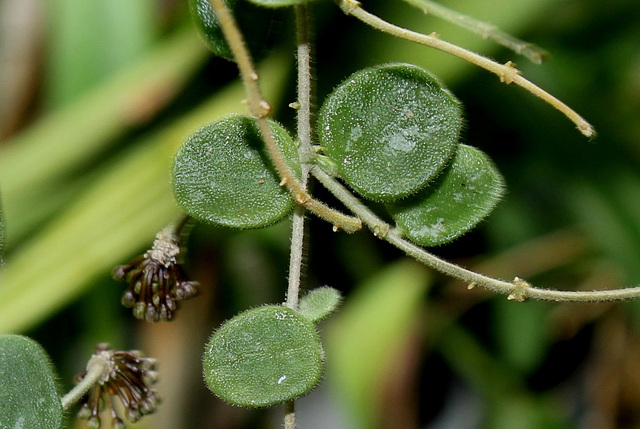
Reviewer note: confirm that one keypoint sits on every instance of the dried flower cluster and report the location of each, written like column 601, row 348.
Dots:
column 129, row 379
column 156, row 280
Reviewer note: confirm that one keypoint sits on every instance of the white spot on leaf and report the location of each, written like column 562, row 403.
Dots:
column 434, row 230
column 356, row 133
column 19, row 423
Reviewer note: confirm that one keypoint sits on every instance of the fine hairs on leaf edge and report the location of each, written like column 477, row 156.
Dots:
column 519, row 289
column 260, row 109
column 209, row 351
column 457, row 213
column 372, row 118
column 306, row 304
column 524, row 290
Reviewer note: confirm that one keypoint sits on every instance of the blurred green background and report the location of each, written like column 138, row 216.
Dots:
column 96, row 96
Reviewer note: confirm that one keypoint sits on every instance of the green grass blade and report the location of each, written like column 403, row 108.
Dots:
column 68, row 136
column 121, row 209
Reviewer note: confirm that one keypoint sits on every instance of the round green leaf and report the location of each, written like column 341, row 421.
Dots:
column 28, row 393
column 254, row 22
column 223, row 174
column 390, row 130
column 465, row 193
column 264, row 356
column 319, row 303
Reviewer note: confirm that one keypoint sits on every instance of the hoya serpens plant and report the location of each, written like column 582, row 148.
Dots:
column 388, row 134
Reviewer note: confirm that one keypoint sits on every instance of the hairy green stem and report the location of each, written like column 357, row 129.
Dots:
column 506, row 72
column 97, row 368
column 517, row 290
column 305, row 91
column 305, row 150
column 260, row 109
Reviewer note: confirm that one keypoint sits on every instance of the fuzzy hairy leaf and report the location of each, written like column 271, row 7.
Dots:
column 319, row 303
column 29, row 395
column 264, row 356
column 390, row 130
column 465, row 193
column 1, row 235
column 223, row 175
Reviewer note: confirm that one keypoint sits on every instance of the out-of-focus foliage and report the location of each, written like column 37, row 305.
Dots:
column 1, row 236
column 84, row 175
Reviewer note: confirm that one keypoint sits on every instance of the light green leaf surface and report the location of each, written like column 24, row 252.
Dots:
column 222, row 174
column 319, row 303
column 264, row 356
column 28, row 394
column 389, row 130
column 465, row 193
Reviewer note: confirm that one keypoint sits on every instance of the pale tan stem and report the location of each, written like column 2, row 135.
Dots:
column 516, row 290
column 506, row 72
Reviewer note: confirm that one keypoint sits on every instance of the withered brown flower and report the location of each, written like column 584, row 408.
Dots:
column 130, row 379
column 156, row 280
